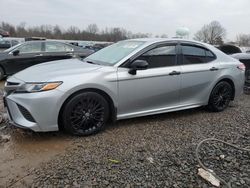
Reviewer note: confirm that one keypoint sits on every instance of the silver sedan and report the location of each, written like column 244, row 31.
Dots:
column 128, row 79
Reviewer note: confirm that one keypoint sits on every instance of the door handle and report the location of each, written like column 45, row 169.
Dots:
column 174, row 73
column 38, row 55
column 69, row 53
column 214, row 69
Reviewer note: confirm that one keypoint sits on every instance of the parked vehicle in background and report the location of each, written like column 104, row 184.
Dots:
column 128, row 79
column 5, row 44
column 31, row 53
column 4, row 33
column 229, row 49
column 97, row 47
column 34, row 38
column 245, row 58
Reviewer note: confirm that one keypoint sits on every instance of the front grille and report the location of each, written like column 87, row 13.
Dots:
column 26, row 113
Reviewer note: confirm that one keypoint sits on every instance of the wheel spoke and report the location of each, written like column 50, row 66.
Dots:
column 87, row 115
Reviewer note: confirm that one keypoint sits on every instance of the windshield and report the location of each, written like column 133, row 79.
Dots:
column 12, row 48
column 114, row 53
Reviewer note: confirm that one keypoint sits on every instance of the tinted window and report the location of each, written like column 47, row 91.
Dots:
column 56, row 47
column 193, row 55
column 210, row 56
column 196, row 55
column 30, row 48
column 160, row 57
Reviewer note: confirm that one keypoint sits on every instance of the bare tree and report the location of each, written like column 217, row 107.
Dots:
column 212, row 33
column 92, row 28
column 243, row 39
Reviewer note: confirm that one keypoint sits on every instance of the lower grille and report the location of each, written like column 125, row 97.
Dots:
column 12, row 83
column 26, row 113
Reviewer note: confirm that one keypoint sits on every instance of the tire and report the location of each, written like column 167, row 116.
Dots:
column 220, row 97
column 1, row 73
column 85, row 114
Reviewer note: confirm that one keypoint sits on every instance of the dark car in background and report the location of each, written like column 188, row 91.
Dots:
column 31, row 53
column 4, row 44
column 245, row 58
column 4, row 33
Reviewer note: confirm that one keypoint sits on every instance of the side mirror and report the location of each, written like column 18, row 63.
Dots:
column 137, row 65
column 16, row 52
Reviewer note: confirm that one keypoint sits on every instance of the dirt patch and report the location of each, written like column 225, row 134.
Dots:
column 21, row 151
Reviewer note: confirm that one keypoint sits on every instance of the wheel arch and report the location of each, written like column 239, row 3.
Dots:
column 112, row 107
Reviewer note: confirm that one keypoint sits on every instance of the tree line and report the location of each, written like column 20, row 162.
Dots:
column 213, row 33
column 91, row 32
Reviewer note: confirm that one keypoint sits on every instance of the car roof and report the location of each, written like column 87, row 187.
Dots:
column 163, row 40
column 159, row 40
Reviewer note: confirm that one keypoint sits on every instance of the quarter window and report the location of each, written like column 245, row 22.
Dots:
column 56, row 47
column 160, row 57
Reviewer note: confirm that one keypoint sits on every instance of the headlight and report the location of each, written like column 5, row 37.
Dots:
column 36, row 87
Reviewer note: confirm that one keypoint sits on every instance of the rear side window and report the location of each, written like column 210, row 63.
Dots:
column 196, row 55
column 162, row 56
column 56, row 47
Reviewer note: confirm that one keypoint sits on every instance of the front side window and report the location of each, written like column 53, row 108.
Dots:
column 162, row 56
column 196, row 55
column 30, row 48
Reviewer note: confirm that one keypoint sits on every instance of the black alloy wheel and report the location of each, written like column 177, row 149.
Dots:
column 220, row 97
column 85, row 114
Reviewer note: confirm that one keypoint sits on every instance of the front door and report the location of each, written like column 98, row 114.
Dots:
column 29, row 54
column 154, row 89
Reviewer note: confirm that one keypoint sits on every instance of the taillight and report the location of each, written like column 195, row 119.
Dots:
column 241, row 67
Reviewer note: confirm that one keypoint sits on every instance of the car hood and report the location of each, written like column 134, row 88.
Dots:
column 3, row 55
column 51, row 70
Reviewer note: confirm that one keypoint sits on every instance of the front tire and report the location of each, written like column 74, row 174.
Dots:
column 85, row 113
column 220, row 97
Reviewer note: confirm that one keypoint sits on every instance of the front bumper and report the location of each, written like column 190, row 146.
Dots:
column 35, row 111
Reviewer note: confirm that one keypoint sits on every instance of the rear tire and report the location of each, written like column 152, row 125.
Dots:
column 220, row 97
column 85, row 113
column 1, row 73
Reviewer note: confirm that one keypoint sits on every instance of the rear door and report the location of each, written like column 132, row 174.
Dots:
column 198, row 70
column 29, row 54
column 56, row 51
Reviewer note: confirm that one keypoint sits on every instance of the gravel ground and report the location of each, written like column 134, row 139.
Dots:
column 155, row 151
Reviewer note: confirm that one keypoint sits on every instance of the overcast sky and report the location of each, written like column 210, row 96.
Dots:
column 146, row 16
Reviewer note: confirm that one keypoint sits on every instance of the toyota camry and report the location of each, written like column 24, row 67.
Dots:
column 128, row 79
